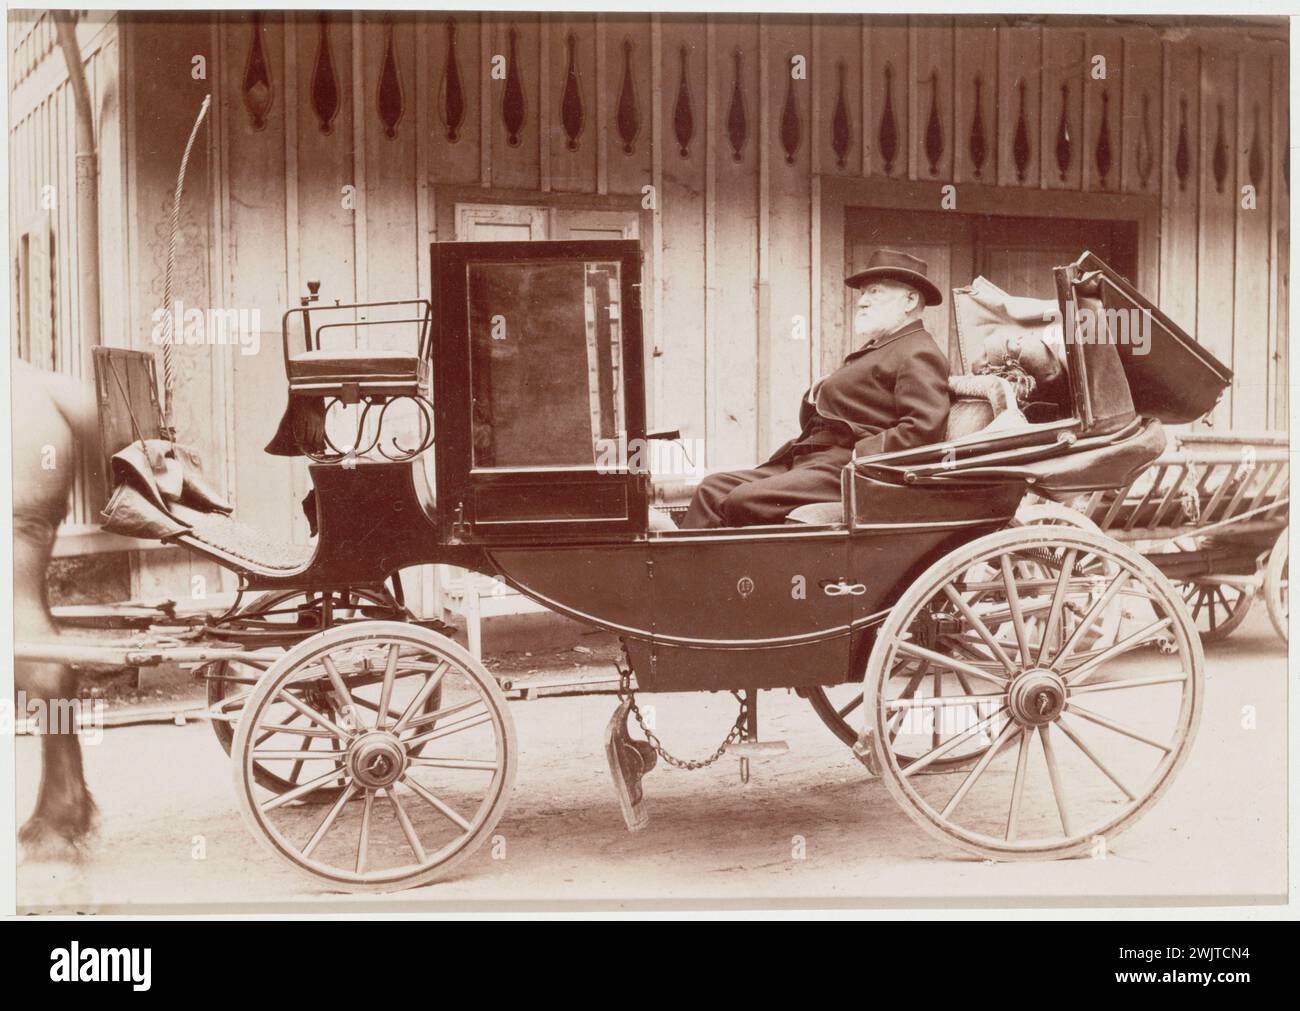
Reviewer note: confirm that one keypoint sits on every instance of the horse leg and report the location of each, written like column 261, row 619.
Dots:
column 65, row 813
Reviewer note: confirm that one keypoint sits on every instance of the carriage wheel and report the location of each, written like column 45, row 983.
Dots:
column 1275, row 585
column 1217, row 607
column 429, row 787
column 283, row 617
column 839, row 706
column 1078, row 741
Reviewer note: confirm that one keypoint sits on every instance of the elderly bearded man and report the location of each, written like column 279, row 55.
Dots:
column 889, row 394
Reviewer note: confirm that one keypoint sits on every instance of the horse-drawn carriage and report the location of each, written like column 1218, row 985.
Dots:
column 996, row 698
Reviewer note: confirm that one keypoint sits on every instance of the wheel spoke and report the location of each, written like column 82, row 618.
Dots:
column 1091, row 617
column 341, row 692
column 1138, row 638
column 480, row 764
column 952, row 663
column 407, row 828
column 1018, row 785
column 951, row 743
column 300, row 791
column 348, row 792
column 1013, row 602
column 853, row 704
column 1109, row 724
column 421, row 697
column 440, row 715
column 437, row 804
column 447, row 731
column 313, row 715
column 298, row 755
column 386, row 693
column 980, row 628
column 991, row 753
column 945, row 700
column 374, row 708
column 1054, row 775
column 1058, row 601
column 1110, row 686
column 363, row 838
column 1078, row 743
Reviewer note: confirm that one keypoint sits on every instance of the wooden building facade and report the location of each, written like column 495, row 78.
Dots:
column 757, row 159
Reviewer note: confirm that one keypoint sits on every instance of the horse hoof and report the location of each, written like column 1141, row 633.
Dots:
column 43, row 842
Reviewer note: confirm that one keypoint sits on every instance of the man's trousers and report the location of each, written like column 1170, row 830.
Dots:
column 766, row 494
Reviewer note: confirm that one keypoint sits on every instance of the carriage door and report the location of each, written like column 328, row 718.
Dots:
column 540, row 406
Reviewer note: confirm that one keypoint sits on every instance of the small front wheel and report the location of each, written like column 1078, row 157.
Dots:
column 418, row 791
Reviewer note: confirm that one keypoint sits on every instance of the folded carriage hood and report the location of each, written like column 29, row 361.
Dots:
column 1170, row 376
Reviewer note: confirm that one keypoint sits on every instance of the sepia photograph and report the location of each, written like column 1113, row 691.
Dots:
column 563, row 461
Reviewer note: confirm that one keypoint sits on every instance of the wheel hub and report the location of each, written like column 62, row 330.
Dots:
column 1036, row 698
column 376, row 760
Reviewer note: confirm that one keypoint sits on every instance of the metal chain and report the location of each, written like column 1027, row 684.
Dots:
column 734, row 735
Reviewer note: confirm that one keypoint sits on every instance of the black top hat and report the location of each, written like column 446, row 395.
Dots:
column 896, row 266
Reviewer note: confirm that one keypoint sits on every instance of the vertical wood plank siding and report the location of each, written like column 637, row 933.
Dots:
column 738, row 153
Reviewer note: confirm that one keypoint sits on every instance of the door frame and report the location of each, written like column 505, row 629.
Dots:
column 833, row 193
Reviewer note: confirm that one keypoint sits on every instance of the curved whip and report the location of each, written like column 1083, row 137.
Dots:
column 169, row 366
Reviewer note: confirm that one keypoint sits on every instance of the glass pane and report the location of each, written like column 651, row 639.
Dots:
column 546, row 363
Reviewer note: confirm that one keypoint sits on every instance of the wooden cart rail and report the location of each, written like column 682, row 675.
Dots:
column 1199, row 491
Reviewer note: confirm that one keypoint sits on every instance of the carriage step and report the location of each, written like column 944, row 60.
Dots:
column 757, row 749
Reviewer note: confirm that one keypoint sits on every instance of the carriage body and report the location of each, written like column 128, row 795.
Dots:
column 914, row 592
column 542, row 469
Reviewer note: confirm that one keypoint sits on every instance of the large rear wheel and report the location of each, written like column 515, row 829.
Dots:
column 1076, row 740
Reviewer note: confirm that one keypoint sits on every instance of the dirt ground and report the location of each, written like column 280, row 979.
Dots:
column 811, row 828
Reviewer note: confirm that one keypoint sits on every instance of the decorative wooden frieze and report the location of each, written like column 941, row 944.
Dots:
column 841, row 131
column 1255, row 163
column 888, row 136
column 1145, row 149
column 452, row 106
column 979, row 147
column 256, row 87
column 1020, row 142
column 1220, row 164
column 737, row 124
column 791, row 129
column 389, row 98
column 683, row 118
column 512, row 102
column 934, row 127
column 1182, row 153
column 324, row 82
column 1064, row 142
column 572, row 116
column 628, row 118
column 1102, row 155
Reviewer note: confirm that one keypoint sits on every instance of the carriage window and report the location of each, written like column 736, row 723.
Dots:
column 546, row 363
